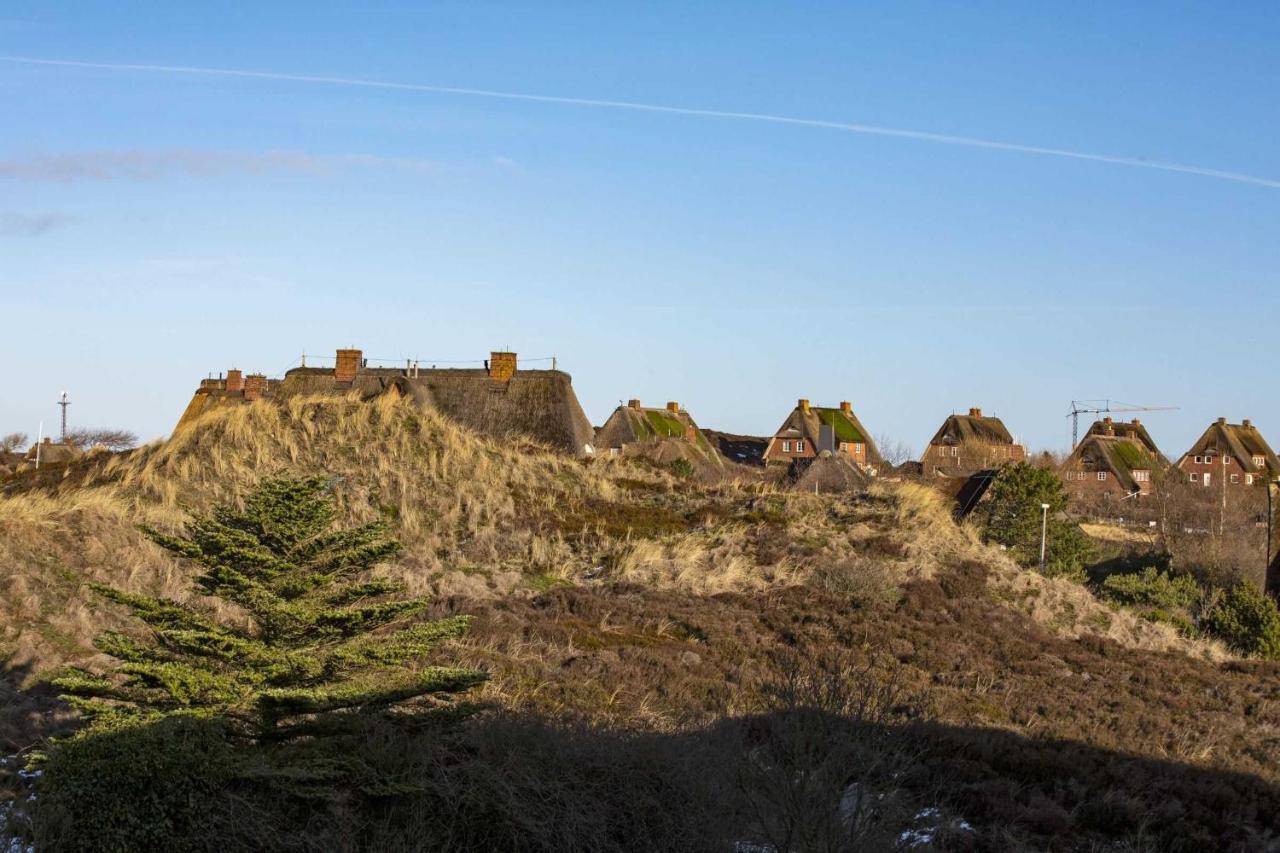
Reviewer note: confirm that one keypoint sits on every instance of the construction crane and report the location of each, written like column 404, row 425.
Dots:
column 1081, row 407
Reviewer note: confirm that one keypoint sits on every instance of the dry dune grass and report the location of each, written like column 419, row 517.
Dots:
column 483, row 519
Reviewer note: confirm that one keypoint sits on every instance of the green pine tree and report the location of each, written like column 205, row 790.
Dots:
column 322, row 640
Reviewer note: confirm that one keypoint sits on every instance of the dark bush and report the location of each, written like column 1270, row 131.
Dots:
column 1247, row 620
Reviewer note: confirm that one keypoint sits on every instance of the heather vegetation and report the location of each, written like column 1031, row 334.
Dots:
column 668, row 664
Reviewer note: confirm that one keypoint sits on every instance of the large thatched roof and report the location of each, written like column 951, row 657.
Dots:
column 1133, row 430
column 973, row 427
column 633, row 426
column 844, row 423
column 1242, row 441
column 535, row 404
column 1120, row 455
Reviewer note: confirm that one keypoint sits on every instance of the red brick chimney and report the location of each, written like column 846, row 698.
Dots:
column 502, row 366
column 633, row 404
column 975, row 413
column 673, row 407
column 347, row 364
column 255, row 385
column 235, row 380
column 803, row 404
column 846, row 407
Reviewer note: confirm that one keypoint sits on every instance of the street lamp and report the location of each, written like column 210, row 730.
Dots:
column 1044, row 530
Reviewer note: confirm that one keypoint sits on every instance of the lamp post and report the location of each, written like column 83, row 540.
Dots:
column 1044, row 530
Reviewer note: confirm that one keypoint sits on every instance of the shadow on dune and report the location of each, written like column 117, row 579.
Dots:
column 796, row 780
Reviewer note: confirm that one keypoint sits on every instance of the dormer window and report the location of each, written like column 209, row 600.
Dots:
column 1259, row 461
column 1102, row 475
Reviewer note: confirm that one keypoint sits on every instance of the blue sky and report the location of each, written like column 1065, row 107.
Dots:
column 158, row 226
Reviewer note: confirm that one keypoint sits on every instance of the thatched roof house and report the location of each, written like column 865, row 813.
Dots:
column 499, row 400
column 1115, row 459
column 966, row 444
column 49, row 452
column 810, row 430
column 1230, row 454
column 643, row 429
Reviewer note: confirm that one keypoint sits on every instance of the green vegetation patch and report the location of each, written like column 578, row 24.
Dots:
column 664, row 425
column 1132, row 456
column 844, row 428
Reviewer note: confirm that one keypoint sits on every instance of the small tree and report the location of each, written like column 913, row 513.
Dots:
column 1247, row 621
column 111, row 439
column 13, row 442
column 322, row 640
column 1013, row 514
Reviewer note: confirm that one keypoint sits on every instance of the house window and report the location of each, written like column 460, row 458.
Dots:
column 1235, row 478
column 1195, row 478
column 800, row 446
column 858, row 448
column 1258, row 461
column 1226, row 460
column 1142, row 476
column 1199, row 460
column 844, row 445
column 786, row 447
column 955, row 451
column 1248, row 479
column 1102, row 475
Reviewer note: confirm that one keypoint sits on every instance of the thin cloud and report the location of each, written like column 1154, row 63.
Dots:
column 848, row 127
column 31, row 224
column 141, row 165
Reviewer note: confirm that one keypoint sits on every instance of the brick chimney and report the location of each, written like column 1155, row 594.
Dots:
column 1222, row 421
column 347, row 364
column 502, row 366
column 673, row 407
column 255, row 385
column 1137, row 422
column 803, row 404
column 633, row 404
column 846, row 407
column 1246, row 423
column 975, row 413
column 235, row 380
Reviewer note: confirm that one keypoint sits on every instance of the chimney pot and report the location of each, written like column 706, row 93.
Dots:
column 633, row 404
column 235, row 380
column 975, row 412
column 1246, row 423
column 846, row 407
column 673, row 407
column 347, row 363
column 1222, row 421
column 1137, row 422
column 502, row 366
column 803, row 405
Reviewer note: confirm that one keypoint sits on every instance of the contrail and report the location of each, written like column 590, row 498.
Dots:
column 848, row 127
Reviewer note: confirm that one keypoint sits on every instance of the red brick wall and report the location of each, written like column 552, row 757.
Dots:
column 255, row 385
column 235, row 380
column 776, row 453
column 347, row 364
column 1218, row 473
column 502, row 366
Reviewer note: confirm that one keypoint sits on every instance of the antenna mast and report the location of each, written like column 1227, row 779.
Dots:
column 63, row 402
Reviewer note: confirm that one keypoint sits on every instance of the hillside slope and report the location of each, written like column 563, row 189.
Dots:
column 613, row 593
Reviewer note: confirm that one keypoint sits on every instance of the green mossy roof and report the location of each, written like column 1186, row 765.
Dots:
column 844, row 428
column 664, row 425
column 1132, row 456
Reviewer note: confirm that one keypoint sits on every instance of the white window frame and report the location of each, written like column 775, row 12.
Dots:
column 1195, row 478
column 786, row 446
column 1235, row 478
column 1226, row 460
column 844, row 446
column 1142, row 476
column 1259, row 461
column 1248, row 479
column 1102, row 475
column 799, row 445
